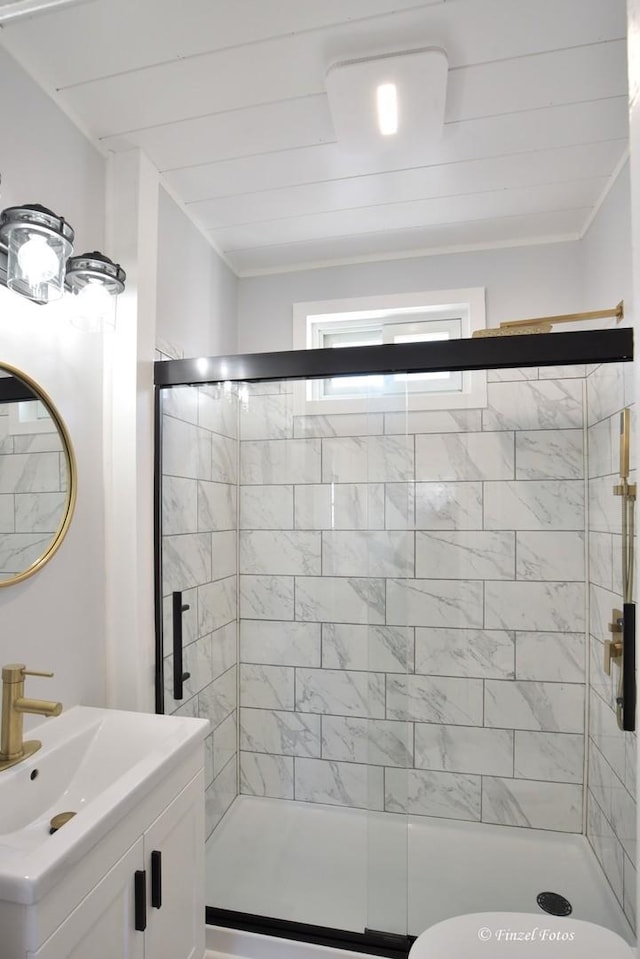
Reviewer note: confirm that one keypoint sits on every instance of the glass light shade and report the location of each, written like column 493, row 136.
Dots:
column 38, row 243
column 35, row 262
column 95, row 282
column 36, row 259
column 93, row 308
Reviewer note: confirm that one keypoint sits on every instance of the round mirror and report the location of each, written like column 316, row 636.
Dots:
column 37, row 477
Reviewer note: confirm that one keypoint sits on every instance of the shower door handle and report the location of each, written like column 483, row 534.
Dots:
column 628, row 704
column 178, row 675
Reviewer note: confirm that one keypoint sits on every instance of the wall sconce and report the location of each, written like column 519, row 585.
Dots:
column 35, row 261
column 94, row 282
column 38, row 243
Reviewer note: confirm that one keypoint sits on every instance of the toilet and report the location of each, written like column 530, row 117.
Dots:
column 485, row 935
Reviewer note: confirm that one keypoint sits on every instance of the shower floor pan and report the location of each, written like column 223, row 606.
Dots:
column 351, row 869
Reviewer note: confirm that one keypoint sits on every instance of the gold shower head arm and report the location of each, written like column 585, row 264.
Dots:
column 544, row 324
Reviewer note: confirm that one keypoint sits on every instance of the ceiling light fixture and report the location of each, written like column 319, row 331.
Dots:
column 387, row 109
column 391, row 102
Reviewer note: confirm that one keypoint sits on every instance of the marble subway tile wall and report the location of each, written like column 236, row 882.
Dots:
column 33, row 491
column 199, row 556
column 412, row 604
column 611, row 805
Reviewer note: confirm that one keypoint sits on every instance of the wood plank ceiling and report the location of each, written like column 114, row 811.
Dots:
column 227, row 99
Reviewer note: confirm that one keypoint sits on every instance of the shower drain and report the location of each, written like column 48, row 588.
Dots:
column 554, row 903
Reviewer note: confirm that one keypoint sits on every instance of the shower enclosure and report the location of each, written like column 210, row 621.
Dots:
column 394, row 616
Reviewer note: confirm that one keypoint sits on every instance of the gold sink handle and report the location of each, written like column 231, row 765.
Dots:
column 13, row 749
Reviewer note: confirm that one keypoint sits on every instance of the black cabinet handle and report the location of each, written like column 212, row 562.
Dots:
column 140, row 900
column 629, row 667
column 156, row 879
column 178, row 675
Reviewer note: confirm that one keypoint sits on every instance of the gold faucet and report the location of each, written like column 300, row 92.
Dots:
column 14, row 704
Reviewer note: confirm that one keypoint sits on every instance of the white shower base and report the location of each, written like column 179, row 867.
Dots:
column 352, row 869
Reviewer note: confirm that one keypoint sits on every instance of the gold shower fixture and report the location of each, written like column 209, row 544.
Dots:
column 627, row 491
column 622, row 647
column 545, row 324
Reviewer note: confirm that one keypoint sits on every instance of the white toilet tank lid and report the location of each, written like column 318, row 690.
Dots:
column 512, row 935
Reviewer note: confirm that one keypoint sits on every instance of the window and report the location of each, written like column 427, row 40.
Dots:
column 29, row 416
column 406, row 318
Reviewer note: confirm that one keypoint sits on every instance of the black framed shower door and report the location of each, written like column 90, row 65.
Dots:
column 503, row 352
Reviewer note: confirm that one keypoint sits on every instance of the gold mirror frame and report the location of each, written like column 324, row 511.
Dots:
column 72, row 473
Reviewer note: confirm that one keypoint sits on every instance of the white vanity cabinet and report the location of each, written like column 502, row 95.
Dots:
column 174, row 846
column 102, row 926
column 157, row 884
column 124, row 878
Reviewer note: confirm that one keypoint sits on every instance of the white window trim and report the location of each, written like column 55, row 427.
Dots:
column 469, row 303
column 28, row 417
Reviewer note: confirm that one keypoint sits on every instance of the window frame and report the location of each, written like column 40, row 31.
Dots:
column 464, row 305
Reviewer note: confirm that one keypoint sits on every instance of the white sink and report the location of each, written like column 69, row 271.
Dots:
column 97, row 763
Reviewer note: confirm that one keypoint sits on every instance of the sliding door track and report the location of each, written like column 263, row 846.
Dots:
column 370, row 941
column 544, row 349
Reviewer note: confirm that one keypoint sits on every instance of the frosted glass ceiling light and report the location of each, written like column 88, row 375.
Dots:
column 38, row 243
column 390, row 102
column 387, row 108
column 94, row 281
